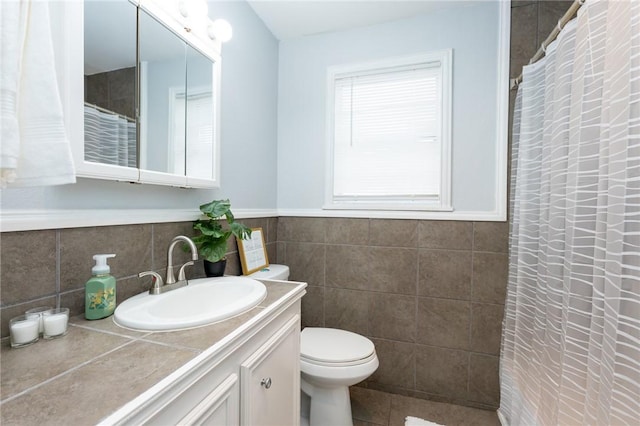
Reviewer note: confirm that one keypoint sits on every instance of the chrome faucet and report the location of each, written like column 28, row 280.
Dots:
column 157, row 286
column 194, row 256
column 156, row 281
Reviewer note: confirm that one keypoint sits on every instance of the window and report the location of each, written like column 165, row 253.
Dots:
column 390, row 134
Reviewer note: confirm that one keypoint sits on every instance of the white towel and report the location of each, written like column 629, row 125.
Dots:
column 415, row 421
column 35, row 148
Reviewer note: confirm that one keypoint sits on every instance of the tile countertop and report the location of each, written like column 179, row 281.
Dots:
column 98, row 367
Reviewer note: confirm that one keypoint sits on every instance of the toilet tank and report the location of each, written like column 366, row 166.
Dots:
column 272, row 272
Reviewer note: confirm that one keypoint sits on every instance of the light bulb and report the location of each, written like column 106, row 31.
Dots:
column 220, row 30
column 182, row 6
column 193, row 8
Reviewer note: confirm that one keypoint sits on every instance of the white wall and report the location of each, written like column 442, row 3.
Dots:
column 248, row 126
column 471, row 31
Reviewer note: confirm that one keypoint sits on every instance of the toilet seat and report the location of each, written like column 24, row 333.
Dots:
column 331, row 347
column 338, row 364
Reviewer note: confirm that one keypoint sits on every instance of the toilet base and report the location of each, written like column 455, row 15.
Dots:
column 330, row 406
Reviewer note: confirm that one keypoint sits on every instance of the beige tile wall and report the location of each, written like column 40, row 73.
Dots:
column 50, row 267
column 429, row 294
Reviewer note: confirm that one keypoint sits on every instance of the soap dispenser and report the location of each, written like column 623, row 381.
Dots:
column 100, row 290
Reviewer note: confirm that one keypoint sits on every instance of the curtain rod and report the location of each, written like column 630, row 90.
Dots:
column 108, row 111
column 571, row 12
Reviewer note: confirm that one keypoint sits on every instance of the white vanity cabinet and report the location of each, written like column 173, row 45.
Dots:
column 220, row 407
column 250, row 377
column 270, row 387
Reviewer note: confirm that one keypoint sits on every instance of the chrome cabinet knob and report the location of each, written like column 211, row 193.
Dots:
column 266, row 383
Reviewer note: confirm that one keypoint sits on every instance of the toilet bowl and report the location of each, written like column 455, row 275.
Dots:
column 331, row 360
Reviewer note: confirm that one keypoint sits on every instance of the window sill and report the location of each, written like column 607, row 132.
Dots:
column 388, row 207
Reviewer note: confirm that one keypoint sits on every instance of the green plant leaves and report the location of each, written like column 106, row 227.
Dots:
column 211, row 249
column 240, row 231
column 212, row 241
column 210, row 228
column 217, row 208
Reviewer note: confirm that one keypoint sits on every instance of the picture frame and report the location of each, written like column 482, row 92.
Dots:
column 253, row 252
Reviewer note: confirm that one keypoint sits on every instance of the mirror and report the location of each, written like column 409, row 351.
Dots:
column 162, row 78
column 110, row 83
column 201, row 111
column 170, row 86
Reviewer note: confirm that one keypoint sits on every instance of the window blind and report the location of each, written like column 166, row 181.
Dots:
column 199, row 135
column 388, row 133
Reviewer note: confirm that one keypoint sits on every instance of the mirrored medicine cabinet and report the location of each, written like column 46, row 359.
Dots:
column 151, row 96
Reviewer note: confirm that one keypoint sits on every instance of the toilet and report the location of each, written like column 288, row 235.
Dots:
column 331, row 360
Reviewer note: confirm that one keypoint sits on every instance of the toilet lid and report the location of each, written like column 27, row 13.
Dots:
column 332, row 345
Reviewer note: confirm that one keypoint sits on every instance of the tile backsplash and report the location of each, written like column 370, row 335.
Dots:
column 50, row 267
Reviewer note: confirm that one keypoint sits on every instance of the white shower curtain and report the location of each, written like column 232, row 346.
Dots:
column 571, row 334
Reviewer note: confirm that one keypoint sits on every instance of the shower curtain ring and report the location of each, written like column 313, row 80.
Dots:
column 559, row 25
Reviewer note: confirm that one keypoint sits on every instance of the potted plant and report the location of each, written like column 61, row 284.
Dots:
column 212, row 241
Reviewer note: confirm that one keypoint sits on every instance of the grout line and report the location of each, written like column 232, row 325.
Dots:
column 73, row 290
column 58, row 269
column 112, row 333
column 128, row 277
column 415, row 344
column 467, row 397
column 64, row 373
column 324, row 286
column 471, row 295
column 473, row 278
column 168, row 345
column 153, row 254
column 378, row 292
column 25, row 302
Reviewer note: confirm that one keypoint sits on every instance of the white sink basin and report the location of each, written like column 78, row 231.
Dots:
column 203, row 301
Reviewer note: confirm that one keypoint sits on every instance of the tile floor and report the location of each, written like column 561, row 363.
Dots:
column 374, row 408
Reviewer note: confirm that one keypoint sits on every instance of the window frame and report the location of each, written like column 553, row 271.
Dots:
column 440, row 203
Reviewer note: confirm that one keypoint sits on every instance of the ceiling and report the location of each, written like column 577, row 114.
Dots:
column 298, row 18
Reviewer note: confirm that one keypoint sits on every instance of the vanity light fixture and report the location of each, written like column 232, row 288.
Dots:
column 193, row 8
column 220, row 30
column 197, row 11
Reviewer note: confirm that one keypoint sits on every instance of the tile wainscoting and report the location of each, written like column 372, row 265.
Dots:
column 429, row 294
column 50, row 267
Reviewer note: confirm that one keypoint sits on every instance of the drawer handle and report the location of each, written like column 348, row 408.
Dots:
column 266, row 383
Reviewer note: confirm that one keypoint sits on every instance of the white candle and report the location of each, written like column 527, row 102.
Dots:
column 40, row 322
column 56, row 324
column 24, row 331
column 38, row 313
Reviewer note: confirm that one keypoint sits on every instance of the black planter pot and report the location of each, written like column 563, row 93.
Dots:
column 215, row 269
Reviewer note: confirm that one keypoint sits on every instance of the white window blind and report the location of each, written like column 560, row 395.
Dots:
column 200, row 135
column 388, row 133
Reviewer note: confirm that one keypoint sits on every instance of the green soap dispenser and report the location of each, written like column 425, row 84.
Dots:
column 100, row 290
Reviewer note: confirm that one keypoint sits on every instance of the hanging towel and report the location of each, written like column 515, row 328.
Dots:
column 415, row 421
column 35, row 150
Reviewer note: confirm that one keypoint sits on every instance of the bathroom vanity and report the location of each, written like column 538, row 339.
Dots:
column 244, row 370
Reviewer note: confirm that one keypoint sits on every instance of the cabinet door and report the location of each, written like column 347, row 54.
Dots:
column 270, row 380
column 219, row 408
